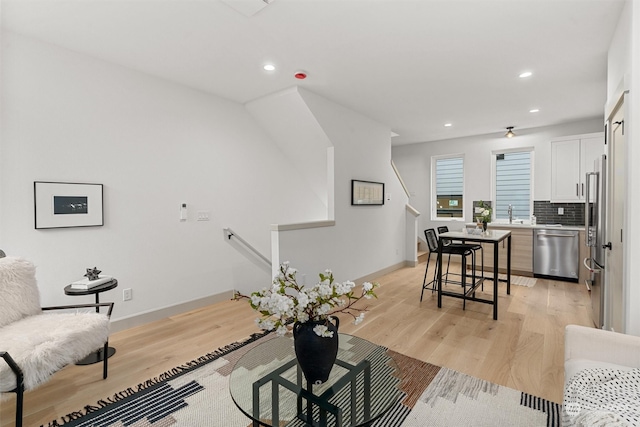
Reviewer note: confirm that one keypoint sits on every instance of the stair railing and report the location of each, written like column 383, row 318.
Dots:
column 230, row 233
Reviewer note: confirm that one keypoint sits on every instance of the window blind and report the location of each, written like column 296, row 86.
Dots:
column 513, row 185
column 449, row 187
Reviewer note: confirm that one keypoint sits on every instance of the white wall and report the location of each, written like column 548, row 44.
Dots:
column 365, row 239
column 414, row 163
column 153, row 144
column 623, row 73
column 619, row 54
column 633, row 181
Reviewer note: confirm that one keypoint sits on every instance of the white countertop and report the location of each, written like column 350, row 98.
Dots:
column 529, row 226
column 482, row 236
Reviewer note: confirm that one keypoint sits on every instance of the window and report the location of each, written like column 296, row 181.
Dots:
column 513, row 184
column 448, row 197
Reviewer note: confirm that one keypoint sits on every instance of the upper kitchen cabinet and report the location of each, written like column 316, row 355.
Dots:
column 571, row 158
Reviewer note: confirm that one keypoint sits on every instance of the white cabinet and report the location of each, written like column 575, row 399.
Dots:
column 571, row 159
column 592, row 149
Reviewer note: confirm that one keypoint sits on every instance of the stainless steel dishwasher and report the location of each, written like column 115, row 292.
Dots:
column 556, row 254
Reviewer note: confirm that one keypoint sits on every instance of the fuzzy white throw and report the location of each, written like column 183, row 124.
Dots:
column 19, row 296
column 41, row 343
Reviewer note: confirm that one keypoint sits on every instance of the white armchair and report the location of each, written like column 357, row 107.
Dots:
column 596, row 348
column 37, row 341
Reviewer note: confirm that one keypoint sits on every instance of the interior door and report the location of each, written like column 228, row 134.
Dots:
column 617, row 193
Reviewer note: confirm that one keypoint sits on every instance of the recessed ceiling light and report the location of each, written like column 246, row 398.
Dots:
column 269, row 67
column 535, row 110
column 448, row 125
column 526, row 74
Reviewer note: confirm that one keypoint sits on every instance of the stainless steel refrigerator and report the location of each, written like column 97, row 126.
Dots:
column 595, row 209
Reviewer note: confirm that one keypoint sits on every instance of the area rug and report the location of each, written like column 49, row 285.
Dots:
column 197, row 394
column 516, row 280
column 519, row 280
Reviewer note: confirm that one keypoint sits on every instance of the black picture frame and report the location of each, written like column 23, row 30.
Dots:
column 67, row 204
column 367, row 193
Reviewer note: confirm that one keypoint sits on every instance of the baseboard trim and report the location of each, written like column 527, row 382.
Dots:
column 164, row 312
column 375, row 275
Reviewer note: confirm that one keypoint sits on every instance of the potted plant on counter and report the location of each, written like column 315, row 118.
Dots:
column 483, row 217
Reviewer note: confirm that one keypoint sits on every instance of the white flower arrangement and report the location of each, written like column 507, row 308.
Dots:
column 287, row 301
column 485, row 212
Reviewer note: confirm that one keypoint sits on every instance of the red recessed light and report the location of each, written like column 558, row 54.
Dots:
column 301, row 75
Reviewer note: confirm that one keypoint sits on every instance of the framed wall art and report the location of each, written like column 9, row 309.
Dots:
column 66, row 204
column 366, row 193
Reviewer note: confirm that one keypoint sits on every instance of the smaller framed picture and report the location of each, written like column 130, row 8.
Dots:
column 366, row 193
column 65, row 204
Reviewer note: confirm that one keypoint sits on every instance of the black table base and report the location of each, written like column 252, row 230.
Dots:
column 96, row 357
column 321, row 402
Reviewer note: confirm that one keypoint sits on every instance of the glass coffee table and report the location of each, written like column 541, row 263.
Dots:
column 268, row 387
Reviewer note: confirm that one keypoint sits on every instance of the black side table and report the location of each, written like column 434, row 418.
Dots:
column 68, row 290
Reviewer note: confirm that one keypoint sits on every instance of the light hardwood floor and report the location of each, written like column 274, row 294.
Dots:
column 523, row 349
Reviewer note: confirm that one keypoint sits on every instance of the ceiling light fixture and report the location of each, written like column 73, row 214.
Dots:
column 535, row 110
column 269, row 67
column 448, row 125
column 510, row 133
column 526, row 74
column 300, row 75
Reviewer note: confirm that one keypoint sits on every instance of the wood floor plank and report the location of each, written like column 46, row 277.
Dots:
column 523, row 349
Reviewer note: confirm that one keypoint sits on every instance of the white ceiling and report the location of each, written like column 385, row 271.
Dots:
column 410, row 64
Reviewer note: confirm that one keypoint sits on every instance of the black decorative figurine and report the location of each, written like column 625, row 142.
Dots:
column 93, row 273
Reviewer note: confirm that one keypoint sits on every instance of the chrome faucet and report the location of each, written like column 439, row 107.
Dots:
column 510, row 212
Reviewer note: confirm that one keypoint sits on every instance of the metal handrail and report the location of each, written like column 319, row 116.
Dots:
column 230, row 233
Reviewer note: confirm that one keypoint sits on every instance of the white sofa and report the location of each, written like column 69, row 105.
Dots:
column 594, row 348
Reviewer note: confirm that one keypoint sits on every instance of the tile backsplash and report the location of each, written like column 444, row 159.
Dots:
column 547, row 213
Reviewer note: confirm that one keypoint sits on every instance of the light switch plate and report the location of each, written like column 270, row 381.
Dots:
column 560, row 211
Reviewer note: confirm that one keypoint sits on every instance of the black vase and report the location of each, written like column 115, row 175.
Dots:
column 484, row 225
column 316, row 355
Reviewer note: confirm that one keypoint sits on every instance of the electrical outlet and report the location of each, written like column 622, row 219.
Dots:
column 560, row 211
column 127, row 294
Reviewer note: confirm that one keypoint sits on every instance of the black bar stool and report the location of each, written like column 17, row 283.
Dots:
column 464, row 252
column 475, row 247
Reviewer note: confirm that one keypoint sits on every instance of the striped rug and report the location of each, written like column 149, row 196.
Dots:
column 197, row 394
